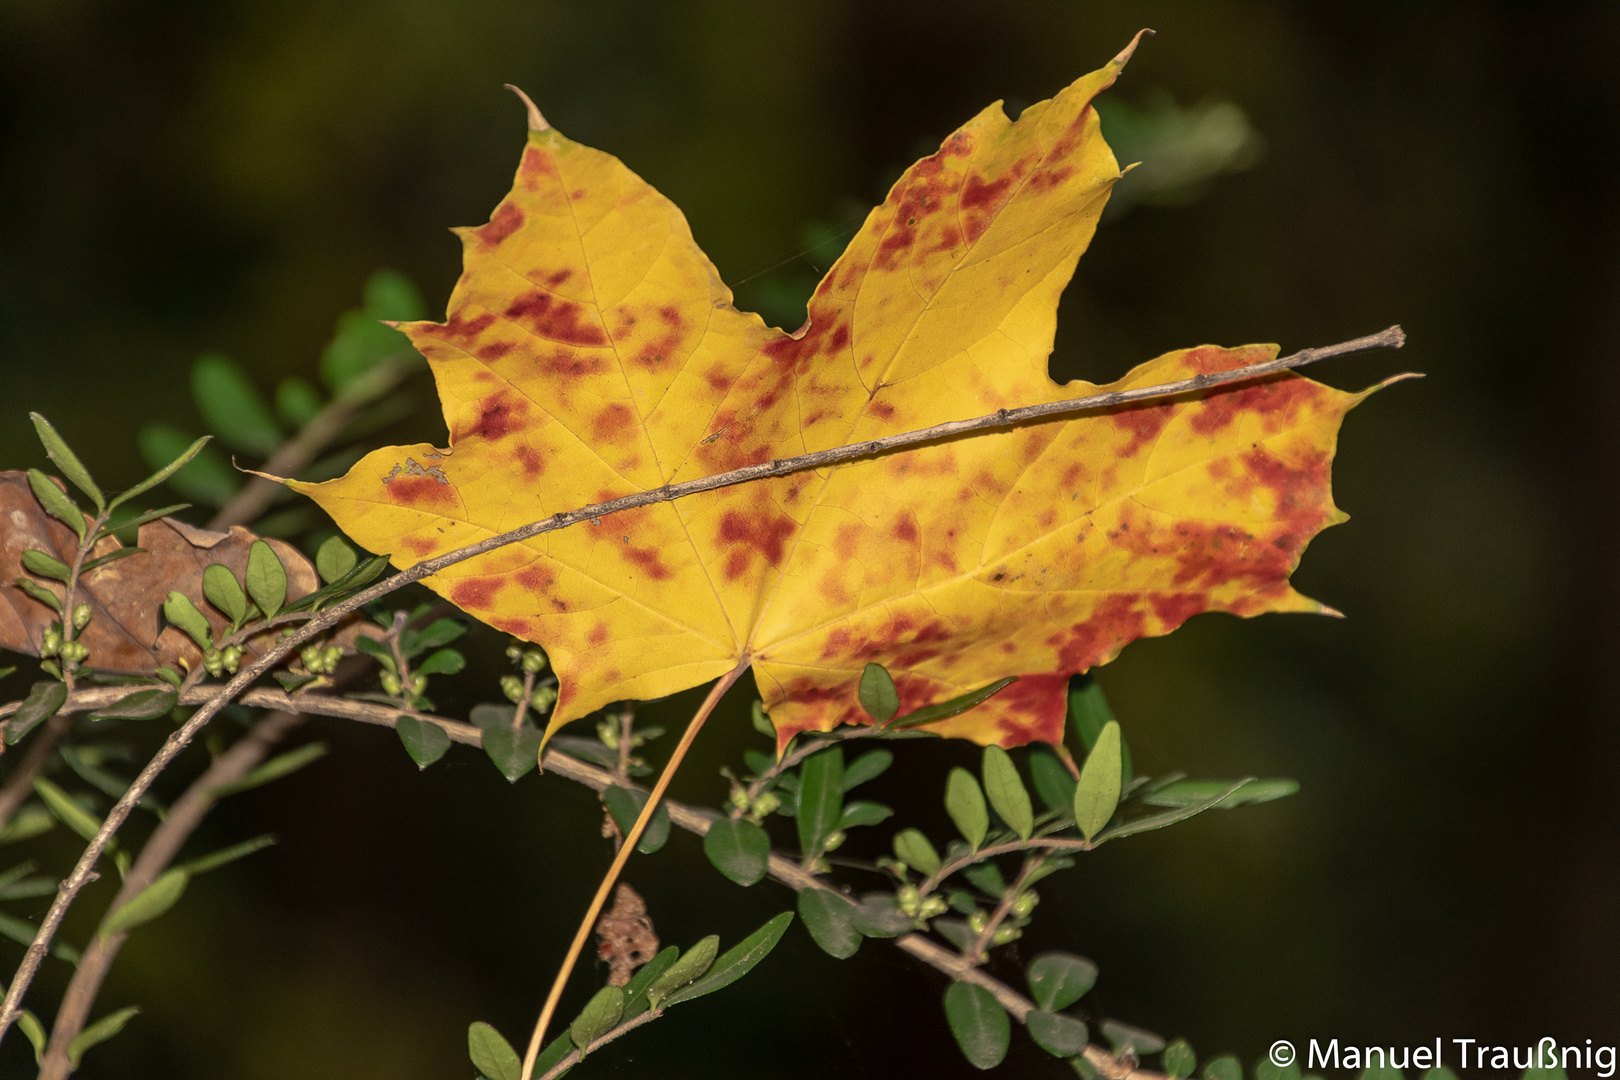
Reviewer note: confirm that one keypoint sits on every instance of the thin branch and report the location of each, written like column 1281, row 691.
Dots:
column 1009, row 897
column 258, row 493
column 20, row 783
column 84, row 871
column 156, row 854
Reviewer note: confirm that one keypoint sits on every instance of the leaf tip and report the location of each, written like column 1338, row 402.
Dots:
column 1125, row 54
column 536, row 121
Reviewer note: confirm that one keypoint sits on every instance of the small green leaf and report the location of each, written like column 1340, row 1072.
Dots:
column 27, row 823
column 821, row 799
column 99, row 1032
column 986, row 877
column 1097, row 794
column 1053, row 783
column 58, row 503
column 157, row 478
column 42, row 702
column 441, row 632
column 979, row 1023
column 390, row 295
column 37, row 562
column 181, row 612
column 869, row 766
column 56, row 448
column 1169, row 817
column 225, row 856
column 443, row 662
column 861, row 812
column 274, row 769
column 39, row 592
column 929, row 714
column 912, row 848
column 222, row 590
column 491, row 1054
column 147, row 904
column 141, row 519
column 1179, row 1060
column 424, row 740
column 598, row 1018
column 23, row 932
column 353, row 581
column 16, row 874
column 964, row 801
column 738, row 849
column 831, row 922
column 266, row 578
column 67, row 810
column 736, row 961
column 1124, row 1037
column 625, row 805
column 1191, row 792
column 110, row 557
column 1266, row 1069
column 1058, row 980
column 207, row 478
column 334, row 559
column 761, row 722
column 635, row 991
column 298, row 402
column 1225, row 1067
column 1060, row 1036
column 514, row 752
column 1007, row 793
column 31, row 1027
column 1088, row 710
column 692, row 965
column 141, row 705
column 233, row 406
column 877, row 694
column 878, row 915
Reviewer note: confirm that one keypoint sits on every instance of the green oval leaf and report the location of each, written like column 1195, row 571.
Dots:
column 625, row 805
column 860, row 812
column 141, row 705
column 30, row 1026
column 877, row 693
column 424, row 740
column 233, row 406
column 443, row 662
column 334, row 559
column 491, row 1054
column 598, row 1017
column 738, row 849
column 738, row 960
column 38, row 562
column 964, row 801
column 1007, row 793
column 514, row 751
column 67, row 810
column 1124, row 1037
column 221, row 589
column 181, row 612
column 1060, row 1036
column 56, row 502
column 1192, row 792
column 1088, row 710
column 928, row 714
column 56, row 448
column 912, row 848
column 39, row 592
column 147, row 904
column 1058, row 980
column 42, row 702
column 266, row 578
column 297, row 401
column 869, row 766
column 635, row 991
column 831, row 922
column 979, row 1024
column 274, row 769
column 1225, row 1067
column 1053, row 783
column 99, row 1032
column 1179, row 1060
column 691, row 965
column 1097, row 794
column 821, row 799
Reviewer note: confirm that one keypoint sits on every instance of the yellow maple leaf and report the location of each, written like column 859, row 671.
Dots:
column 591, row 351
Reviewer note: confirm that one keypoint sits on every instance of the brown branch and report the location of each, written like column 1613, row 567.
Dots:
column 1009, row 897
column 84, row 870
column 159, row 850
column 258, row 493
column 20, row 784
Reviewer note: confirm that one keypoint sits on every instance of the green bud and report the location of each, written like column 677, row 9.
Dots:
column 767, row 803
column 978, row 921
column 313, row 659
column 908, row 899
column 534, row 662
column 1025, row 904
column 608, row 732
column 81, row 616
column 74, row 651
column 50, row 642
column 739, row 798
column 1005, row 934
column 834, row 841
column 514, row 654
column 934, row 905
column 418, row 685
column 511, row 686
column 544, row 697
column 390, row 684
column 230, row 658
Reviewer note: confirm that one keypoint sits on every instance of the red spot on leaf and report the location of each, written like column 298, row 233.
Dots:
column 647, row 559
column 612, row 422
column 599, row 634
column 1144, row 423
column 529, row 459
column 420, row 491
column 515, row 625
column 494, row 350
column 476, row 592
column 535, row 578
column 555, row 319
column 882, row 410
column 507, row 220
column 557, row 277
column 1173, row 609
column 1117, row 621
column 753, row 533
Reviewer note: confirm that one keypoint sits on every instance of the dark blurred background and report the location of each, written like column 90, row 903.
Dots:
column 182, row 177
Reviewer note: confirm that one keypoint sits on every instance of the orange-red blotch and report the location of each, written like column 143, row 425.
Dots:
column 555, row 319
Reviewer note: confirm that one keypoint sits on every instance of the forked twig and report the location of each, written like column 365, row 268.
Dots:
column 84, row 871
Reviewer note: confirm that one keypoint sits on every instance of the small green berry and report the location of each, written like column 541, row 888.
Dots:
column 390, row 684
column 81, row 616
column 512, row 687
column 534, row 662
